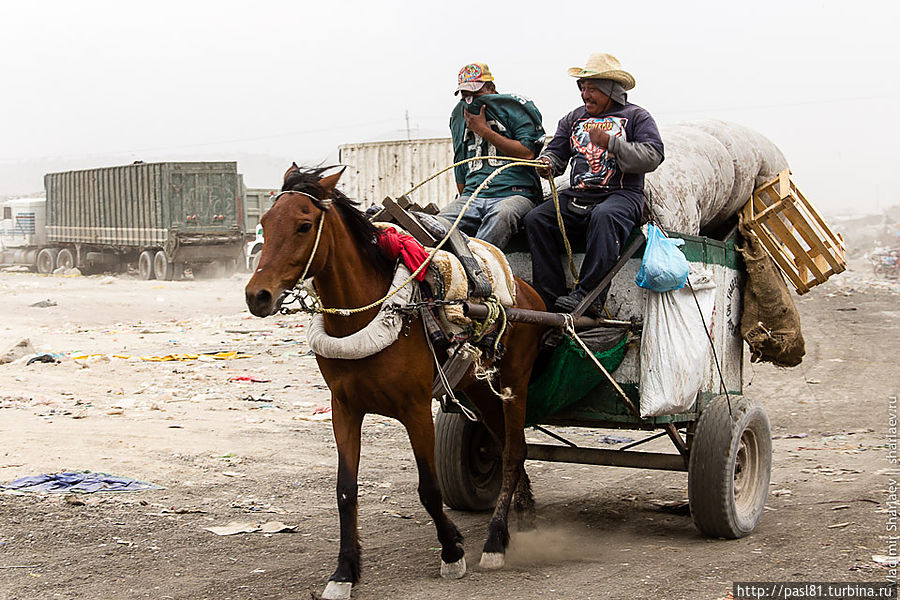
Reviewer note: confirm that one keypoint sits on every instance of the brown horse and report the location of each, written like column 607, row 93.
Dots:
column 349, row 270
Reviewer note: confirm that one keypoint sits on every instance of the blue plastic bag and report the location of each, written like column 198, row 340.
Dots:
column 664, row 267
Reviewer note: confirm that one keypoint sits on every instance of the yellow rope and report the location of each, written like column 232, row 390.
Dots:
column 562, row 231
column 515, row 162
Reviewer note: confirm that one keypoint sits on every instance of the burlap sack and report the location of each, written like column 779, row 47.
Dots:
column 770, row 322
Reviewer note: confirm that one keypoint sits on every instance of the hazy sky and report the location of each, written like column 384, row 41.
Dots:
column 104, row 83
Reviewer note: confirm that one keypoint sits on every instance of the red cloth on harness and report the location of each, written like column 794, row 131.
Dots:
column 410, row 251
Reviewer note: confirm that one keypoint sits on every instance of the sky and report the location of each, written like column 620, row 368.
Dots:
column 98, row 83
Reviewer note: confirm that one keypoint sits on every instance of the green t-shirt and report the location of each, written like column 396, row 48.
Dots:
column 512, row 116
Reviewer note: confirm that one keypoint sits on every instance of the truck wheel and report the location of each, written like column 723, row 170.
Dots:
column 254, row 262
column 162, row 267
column 729, row 468
column 469, row 462
column 145, row 265
column 65, row 259
column 46, row 260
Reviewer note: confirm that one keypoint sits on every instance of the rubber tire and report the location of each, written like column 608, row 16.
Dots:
column 729, row 468
column 254, row 262
column 65, row 259
column 46, row 261
column 469, row 463
column 145, row 265
column 163, row 269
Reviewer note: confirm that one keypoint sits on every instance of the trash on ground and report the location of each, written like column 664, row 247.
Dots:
column 84, row 482
column 277, row 527
column 236, row 527
column 322, row 413
column 252, row 399
column 839, row 525
column 42, row 358
column 21, row 349
column 248, row 379
column 43, row 304
column 614, row 439
column 790, row 436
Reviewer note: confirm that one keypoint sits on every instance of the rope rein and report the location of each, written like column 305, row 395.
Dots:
column 513, row 162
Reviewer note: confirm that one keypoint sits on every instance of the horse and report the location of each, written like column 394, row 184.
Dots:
column 349, row 270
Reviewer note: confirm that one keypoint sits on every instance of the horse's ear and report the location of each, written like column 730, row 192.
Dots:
column 328, row 183
column 291, row 169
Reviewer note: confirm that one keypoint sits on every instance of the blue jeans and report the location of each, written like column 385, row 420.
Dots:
column 493, row 220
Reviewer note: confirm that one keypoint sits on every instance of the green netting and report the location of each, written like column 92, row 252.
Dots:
column 569, row 377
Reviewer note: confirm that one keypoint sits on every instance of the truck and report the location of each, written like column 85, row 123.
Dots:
column 161, row 217
column 256, row 202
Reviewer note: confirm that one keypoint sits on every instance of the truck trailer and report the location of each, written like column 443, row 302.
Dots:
column 161, row 217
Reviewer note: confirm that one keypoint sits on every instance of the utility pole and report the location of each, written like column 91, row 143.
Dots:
column 407, row 126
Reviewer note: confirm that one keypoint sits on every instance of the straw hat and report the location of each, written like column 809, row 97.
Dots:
column 603, row 66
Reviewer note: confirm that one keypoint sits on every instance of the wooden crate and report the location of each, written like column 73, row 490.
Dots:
column 806, row 250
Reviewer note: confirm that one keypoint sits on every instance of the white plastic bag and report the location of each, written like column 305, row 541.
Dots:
column 675, row 349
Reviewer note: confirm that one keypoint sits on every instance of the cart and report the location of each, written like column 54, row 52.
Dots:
column 723, row 442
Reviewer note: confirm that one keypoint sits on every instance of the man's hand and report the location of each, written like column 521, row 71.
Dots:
column 477, row 123
column 599, row 138
column 545, row 172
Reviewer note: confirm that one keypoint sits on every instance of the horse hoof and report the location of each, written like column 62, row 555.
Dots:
column 492, row 560
column 337, row 590
column 453, row 570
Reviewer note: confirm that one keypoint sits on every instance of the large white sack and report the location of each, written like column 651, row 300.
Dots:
column 711, row 169
column 675, row 347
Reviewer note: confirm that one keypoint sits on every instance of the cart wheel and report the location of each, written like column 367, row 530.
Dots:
column 162, row 267
column 145, row 265
column 469, row 463
column 729, row 468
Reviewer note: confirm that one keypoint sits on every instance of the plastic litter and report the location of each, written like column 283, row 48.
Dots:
column 83, row 482
column 664, row 267
column 43, row 304
column 42, row 358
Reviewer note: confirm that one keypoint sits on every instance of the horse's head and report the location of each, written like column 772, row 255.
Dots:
column 290, row 230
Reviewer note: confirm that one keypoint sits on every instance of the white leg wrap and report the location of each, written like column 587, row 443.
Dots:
column 453, row 570
column 337, row 590
column 492, row 560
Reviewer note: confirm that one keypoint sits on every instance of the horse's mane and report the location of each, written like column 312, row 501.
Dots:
column 361, row 229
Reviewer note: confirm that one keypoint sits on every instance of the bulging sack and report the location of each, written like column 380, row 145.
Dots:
column 664, row 267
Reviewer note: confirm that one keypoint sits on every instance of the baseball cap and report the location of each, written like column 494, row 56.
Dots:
column 472, row 77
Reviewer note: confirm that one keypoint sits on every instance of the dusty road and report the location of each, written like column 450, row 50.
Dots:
column 242, row 451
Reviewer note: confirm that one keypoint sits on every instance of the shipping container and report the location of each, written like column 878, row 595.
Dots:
column 379, row 169
column 163, row 216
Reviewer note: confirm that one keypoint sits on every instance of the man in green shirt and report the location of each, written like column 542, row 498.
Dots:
column 486, row 124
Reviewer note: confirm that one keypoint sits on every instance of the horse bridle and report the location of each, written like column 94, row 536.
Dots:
column 321, row 204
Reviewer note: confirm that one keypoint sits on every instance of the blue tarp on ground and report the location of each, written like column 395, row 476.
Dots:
column 83, row 482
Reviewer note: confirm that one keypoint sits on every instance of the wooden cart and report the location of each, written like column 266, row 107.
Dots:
column 723, row 443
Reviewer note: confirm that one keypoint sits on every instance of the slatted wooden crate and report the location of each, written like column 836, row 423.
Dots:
column 803, row 246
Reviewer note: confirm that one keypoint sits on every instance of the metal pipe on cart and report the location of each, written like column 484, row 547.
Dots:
column 537, row 317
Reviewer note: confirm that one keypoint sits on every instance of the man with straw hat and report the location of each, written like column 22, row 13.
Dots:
column 483, row 124
column 609, row 144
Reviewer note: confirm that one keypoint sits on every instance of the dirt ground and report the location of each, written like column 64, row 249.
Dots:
column 238, row 451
